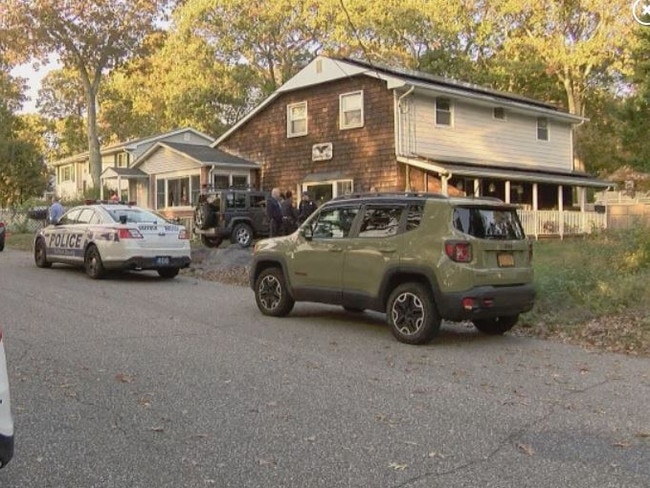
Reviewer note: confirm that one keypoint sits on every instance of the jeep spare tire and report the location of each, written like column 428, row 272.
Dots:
column 205, row 216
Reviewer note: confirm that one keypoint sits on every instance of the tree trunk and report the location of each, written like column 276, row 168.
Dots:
column 95, row 158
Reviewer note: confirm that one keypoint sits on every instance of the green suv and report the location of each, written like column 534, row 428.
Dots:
column 420, row 258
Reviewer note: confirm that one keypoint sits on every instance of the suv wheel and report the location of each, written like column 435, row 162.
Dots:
column 210, row 241
column 496, row 325
column 271, row 293
column 242, row 234
column 412, row 314
column 205, row 216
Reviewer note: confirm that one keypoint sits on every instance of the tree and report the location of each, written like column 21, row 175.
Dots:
column 90, row 37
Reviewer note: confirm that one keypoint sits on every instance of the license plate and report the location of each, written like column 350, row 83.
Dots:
column 505, row 260
column 163, row 261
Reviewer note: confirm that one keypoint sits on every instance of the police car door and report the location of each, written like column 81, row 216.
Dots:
column 60, row 238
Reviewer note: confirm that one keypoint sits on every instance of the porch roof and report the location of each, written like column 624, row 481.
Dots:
column 575, row 178
column 126, row 173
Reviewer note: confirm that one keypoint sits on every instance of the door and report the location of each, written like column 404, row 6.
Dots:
column 316, row 266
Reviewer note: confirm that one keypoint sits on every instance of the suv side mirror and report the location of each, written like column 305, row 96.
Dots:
column 307, row 232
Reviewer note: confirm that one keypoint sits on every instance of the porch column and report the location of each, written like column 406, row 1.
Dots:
column 101, row 188
column 507, row 191
column 560, row 207
column 582, row 198
column 119, row 187
column 535, row 197
column 444, row 184
column 407, row 186
column 477, row 187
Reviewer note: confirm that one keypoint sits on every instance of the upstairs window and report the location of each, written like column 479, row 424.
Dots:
column 351, row 110
column 542, row 129
column 122, row 160
column 297, row 119
column 443, row 112
column 499, row 113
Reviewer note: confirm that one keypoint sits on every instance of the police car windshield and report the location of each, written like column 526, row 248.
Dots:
column 134, row 215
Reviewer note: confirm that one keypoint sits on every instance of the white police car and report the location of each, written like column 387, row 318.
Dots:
column 6, row 419
column 107, row 236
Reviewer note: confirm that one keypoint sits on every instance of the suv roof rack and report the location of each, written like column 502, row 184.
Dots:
column 405, row 194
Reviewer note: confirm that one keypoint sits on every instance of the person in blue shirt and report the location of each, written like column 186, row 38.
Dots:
column 56, row 210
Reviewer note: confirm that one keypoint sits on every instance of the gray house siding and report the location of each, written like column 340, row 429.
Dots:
column 164, row 160
column 475, row 136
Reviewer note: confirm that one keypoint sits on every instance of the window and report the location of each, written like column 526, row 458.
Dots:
column 239, row 181
column 177, row 192
column 322, row 192
column 67, row 173
column 380, row 221
column 70, row 217
column 334, row 223
column 414, row 217
column 488, row 223
column 86, row 216
column 122, row 160
column 443, row 111
column 351, row 110
column 297, row 119
column 499, row 113
column 257, row 201
column 236, row 200
column 223, row 181
column 542, row 129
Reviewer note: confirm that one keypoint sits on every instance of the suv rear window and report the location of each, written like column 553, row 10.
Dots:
column 488, row 223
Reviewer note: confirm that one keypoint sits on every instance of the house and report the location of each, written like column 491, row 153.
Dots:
column 72, row 174
column 343, row 125
column 169, row 176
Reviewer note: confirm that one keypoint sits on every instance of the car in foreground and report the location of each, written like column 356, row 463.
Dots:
column 419, row 258
column 3, row 231
column 6, row 419
column 114, row 236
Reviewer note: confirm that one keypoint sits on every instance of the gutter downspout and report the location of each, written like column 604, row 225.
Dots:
column 399, row 129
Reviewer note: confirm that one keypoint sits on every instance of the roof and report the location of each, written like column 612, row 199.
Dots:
column 323, row 69
column 203, row 155
column 129, row 145
column 124, row 173
column 573, row 178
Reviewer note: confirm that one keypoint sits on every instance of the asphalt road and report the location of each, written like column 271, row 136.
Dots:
column 140, row 382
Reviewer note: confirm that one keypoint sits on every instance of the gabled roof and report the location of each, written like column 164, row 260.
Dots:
column 203, row 155
column 129, row 145
column 325, row 69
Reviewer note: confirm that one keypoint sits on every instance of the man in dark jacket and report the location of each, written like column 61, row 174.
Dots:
column 274, row 213
column 289, row 214
column 306, row 207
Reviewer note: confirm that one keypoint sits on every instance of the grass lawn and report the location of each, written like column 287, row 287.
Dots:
column 19, row 241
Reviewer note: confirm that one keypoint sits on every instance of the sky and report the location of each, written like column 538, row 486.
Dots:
column 34, row 78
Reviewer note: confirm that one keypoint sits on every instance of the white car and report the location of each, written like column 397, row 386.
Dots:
column 106, row 236
column 6, row 420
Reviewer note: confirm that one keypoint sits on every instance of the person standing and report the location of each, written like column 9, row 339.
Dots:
column 274, row 213
column 306, row 207
column 114, row 197
column 289, row 214
column 55, row 211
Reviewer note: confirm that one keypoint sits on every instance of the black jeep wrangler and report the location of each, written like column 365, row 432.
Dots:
column 231, row 213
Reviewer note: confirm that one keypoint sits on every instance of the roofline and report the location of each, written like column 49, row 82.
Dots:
column 247, row 117
column 155, row 147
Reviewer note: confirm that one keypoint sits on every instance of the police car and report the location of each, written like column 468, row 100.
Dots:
column 114, row 236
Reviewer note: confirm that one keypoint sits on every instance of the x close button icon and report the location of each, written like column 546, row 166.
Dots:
column 641, row 11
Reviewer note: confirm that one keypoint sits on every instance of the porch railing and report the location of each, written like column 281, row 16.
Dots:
column 553, row 223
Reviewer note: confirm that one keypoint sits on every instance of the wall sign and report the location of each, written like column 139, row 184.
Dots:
column 321, row 152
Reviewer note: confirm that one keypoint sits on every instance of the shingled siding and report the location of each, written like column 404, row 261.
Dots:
column 366, row 154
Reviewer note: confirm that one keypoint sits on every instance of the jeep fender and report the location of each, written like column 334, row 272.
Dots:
column 401, row 274
column 260, row 263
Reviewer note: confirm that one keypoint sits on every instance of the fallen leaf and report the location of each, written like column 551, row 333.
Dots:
column 397, row 466
column 526, row 448
column 434, row 454
column 310, row 438
column 642, row 434
column 267, row 462
column 624, row 444
column 124, row 378
column 158, row 428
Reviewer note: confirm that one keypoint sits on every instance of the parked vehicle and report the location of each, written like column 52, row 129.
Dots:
column 238, row 215
column 420, row 258
column 106, row 236
column 6, row 419
column 3, row 231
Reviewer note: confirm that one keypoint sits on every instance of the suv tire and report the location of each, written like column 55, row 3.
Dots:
column 210, row 241
column 242, row 234
column 497, row 325
column 411, row 314
column 205, row 216
column 271, row 293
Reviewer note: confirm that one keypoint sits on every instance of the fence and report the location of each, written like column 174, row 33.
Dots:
column 17, row 221
column 555, row 223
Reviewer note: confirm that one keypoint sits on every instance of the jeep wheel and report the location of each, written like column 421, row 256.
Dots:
column 242, row 234
column 210, row 241
column 93, row 263
column 412, row 314
column 497, row 325
column 168, row 273
column 40, row 255
column 205, row 216
column 271, row 293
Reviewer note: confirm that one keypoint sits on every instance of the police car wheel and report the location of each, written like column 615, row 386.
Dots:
column 168, row 273
column 93, row 263
column 211, row 241
column 40, row 256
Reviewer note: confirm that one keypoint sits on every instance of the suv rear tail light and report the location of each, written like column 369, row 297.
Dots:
column 128, row 234
column 461, row 252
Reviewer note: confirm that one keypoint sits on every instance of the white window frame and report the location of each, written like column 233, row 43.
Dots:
column 230, row 175
column 547, row 129
column 291, row 119
column 175, row 176
column 69, row 169
column 450, row 112
column 503, row 111
column 333, row 183
column 343, row 111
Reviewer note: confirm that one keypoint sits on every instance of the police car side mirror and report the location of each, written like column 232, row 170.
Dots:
column 122, row 219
